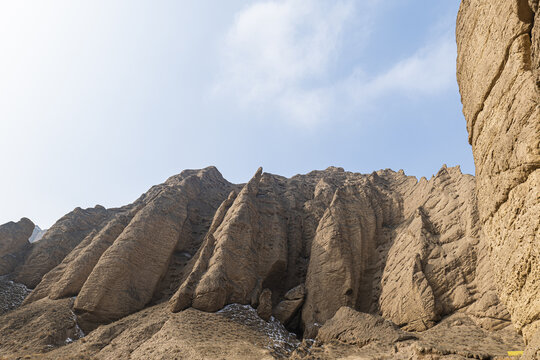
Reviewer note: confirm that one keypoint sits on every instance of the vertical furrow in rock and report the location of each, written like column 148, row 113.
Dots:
column 183, row 297
column 127, row 274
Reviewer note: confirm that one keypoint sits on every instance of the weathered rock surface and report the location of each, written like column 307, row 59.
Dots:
column 235, row 332
column 37, row 328
column 383, row 242
column 354, row 335
column 288, row 308
column 117, row 267
column 368, row 266
column 264, row 309
column 299, row 248
column 59, row 241
column 14, row 243
column 357, row 328
column 498, row 71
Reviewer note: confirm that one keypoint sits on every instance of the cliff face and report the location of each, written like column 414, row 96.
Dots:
column 380, row 243
column 119, row 265
column 498, row 69
column 368, row 264
column 299, row 248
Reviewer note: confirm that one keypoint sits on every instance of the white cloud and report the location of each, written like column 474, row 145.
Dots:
column 430, row 69
column 281, row 56
column 274, row 47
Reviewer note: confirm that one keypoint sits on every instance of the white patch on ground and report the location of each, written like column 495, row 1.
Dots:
column 78, row 331
column 280, row 341
column 12, row 294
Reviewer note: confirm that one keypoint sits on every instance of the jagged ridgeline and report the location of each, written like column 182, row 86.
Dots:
column 383, row 243
column 326, row 265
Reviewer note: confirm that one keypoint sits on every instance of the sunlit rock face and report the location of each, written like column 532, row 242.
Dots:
column 498, row 69
column 298, row 248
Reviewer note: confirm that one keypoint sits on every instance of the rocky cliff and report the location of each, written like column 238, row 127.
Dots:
column 379, row 265
column 297, row 248
column 498, row 69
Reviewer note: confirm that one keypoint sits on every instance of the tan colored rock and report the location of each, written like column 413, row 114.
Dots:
column 289, row 307
column 357, row 328
column 383, row 242
column 120, row 267
column 37, row 328
column 247, row 247
column 14, row 243
column 403, row 248
column 67, row 279
column 342, row 253
column 264, row 309
column 286, row 310
column 498, row 74
column 236, row 332
column 128, row 273
column 354, row 335
column 59, row 240
column 296, row 293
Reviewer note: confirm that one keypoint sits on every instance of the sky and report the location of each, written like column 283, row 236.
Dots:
column 99, row 100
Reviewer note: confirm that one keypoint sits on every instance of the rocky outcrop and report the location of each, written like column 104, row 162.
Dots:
column 14, row 243
column 264, row 310
column 298, row 249
column 380, row 243
column 357, row 328
column 59, row 241
column 498, row 74
column 117, row 268
column 37, row 328
column 288, row 308
column 355, row 335
column 235, row 332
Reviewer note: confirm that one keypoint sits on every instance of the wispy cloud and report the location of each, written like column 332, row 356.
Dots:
column 282, row 55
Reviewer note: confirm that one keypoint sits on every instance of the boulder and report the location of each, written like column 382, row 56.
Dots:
column 286, row 309
column 264, row 310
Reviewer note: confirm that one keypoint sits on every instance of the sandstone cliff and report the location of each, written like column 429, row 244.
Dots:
column 498, row 70
column 299, row 248
column 117, row 267
column 379, row 265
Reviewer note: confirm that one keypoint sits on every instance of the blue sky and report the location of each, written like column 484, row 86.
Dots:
column 100, row 100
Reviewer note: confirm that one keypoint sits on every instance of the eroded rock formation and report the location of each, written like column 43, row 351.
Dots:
column 299, row 249
column 380, row 265
column 14, row 243
column 498, row 71
column 117, row 267
column 383, row 242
